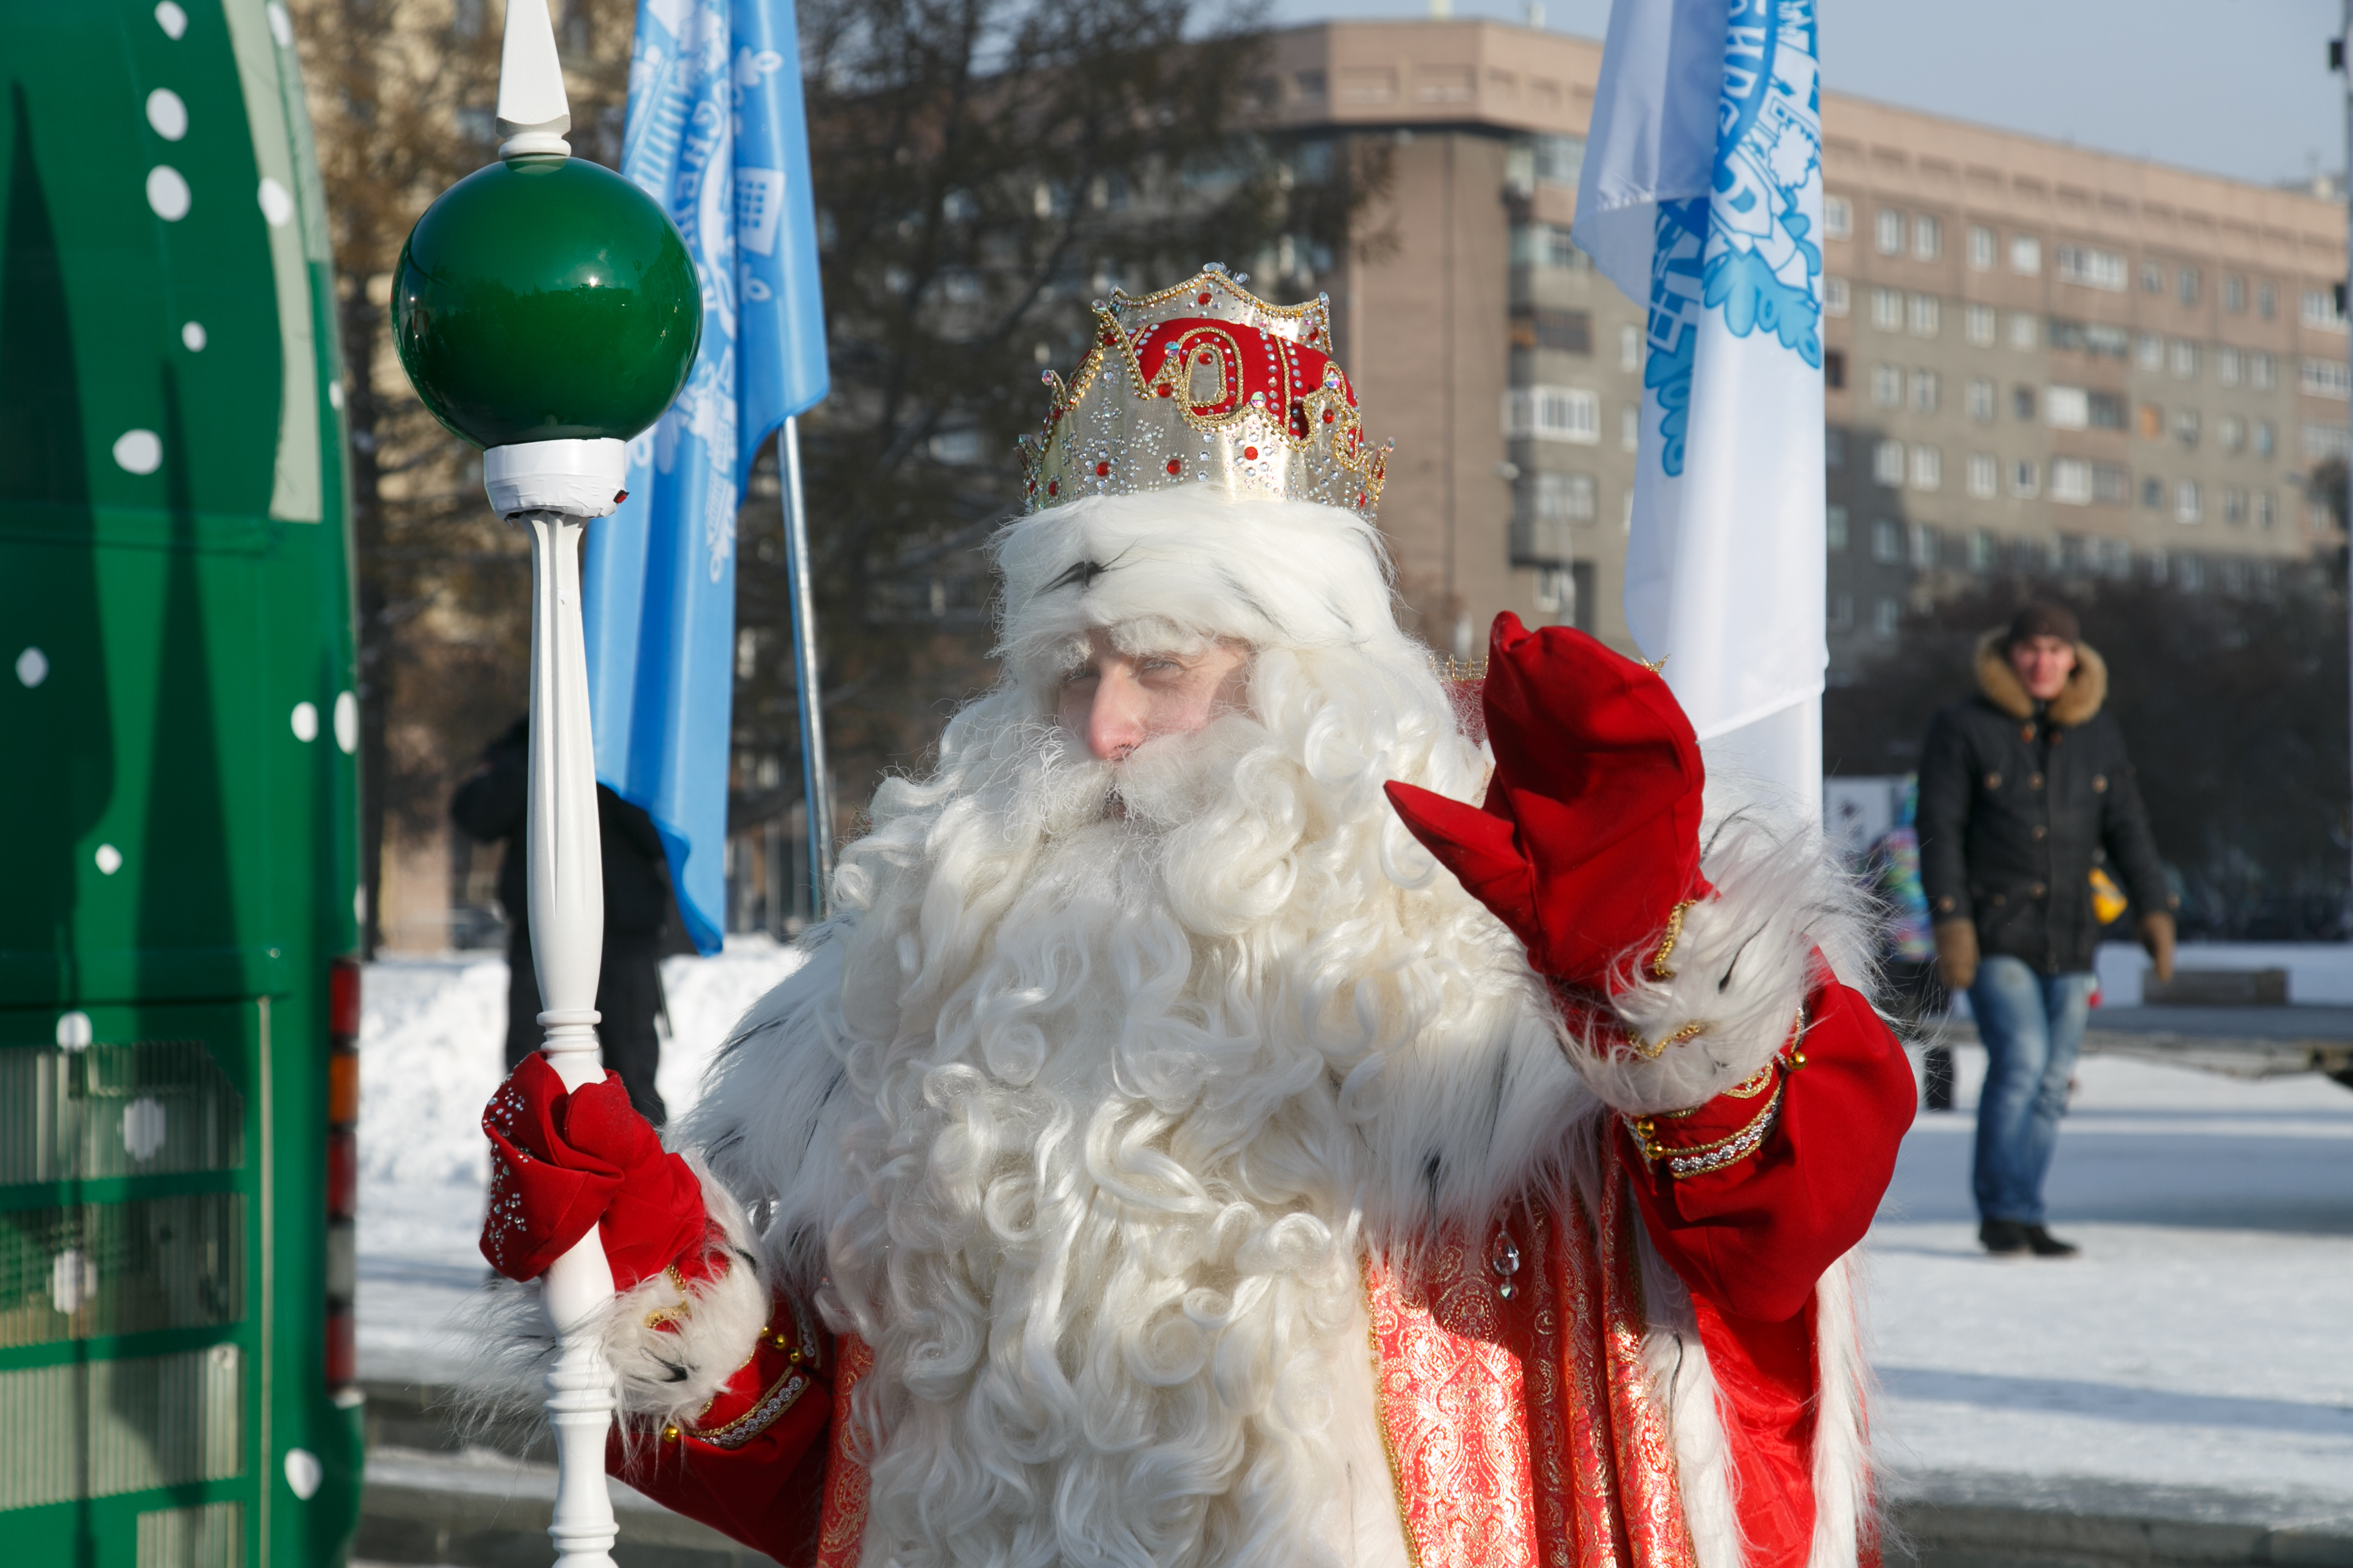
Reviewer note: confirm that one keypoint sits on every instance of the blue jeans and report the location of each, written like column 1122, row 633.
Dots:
column 2033, row 1025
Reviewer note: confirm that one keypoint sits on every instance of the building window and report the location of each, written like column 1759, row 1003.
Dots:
column 2092, row 268
column 2327, row 378
column 2265, row 301
column 1834, row 530
column 1629, row 348
column 2152, row 492
column 2190, row 571
column 1886, row 615
column 2183, row 357
column 1887, row 542
column 1547, row 245
column 2148, row 351
column 1985, row 476
column 1978, row 325
column 1887, row 464
column 1982, row 243
column 1566, row 331
column 2263, row 372
column 1887, row 309
column 2023, row 333
column 1925, row 385
column 2152, row 422
column 2265, row 439
column 1927, row 468
column 1629, row 423
column 2025, row 254
column 1927, row 239
column 2186, row 285
column 2070, row 481
column 2152, row 278
column 1835, row 296
column 2234, row 292
column 1886, row 386
column 1834, row 370
column 1924, row 315
column 2320, row 311
column 2021, row 402
column 2103, row 411
column 1841, row 612
column 1928, row 546
column 1553, row 414
column 2185, row 428
column 2262, row 509
column 1838, row 217
column 1982, row 550
column 2189, row 501
column 2234, row 505
column 1890, row 232
column 1981, row 399
column 1834, row 446
column 2232, row 431
column 1564, row 498
column 2024, row 478
column 2322, row 442
column 2229, row 366
column 2066, row 407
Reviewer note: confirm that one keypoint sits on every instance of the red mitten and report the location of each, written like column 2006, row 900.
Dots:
column 1589, row 835
column 561, row 1163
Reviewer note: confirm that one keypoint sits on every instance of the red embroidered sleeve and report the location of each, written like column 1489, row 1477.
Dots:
column 1752, row 1196
column 751, row 1464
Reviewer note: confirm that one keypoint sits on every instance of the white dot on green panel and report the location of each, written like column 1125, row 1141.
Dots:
column 277, row 205
column 109, row 858
column 193, row 336
column 139, row 451
column 32, row 667
column 167, row 193
column 167, row 114
column 305, row 721
column 171, row 19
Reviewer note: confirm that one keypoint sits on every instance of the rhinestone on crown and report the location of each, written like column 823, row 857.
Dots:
column 1221, row 388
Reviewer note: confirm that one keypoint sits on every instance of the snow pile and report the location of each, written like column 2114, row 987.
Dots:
column 432, row 1049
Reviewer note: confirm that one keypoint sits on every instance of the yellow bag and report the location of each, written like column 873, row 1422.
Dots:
column 2107, row 898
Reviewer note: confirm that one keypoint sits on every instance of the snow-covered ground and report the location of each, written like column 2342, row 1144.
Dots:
column 2195, row 1360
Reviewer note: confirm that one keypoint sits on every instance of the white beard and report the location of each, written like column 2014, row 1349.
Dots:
column 1106, row 1250
column 1100, row 1108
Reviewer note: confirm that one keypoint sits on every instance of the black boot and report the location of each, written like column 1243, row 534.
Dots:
column 2045, row 1245
column 2003, row 1237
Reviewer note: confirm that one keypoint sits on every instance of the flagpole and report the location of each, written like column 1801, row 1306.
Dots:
column 816, row 789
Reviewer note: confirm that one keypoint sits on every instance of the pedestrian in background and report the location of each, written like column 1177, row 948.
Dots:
column 2025, row 791
column 491, row 806
column 1911, row 991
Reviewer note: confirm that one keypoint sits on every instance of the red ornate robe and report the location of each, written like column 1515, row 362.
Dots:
column 1526, row 1383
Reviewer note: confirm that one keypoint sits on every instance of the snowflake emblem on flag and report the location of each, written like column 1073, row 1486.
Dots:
column 1747, row 248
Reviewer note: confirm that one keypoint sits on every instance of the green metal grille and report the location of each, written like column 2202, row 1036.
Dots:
column 149, row 1109
column 162, row 1421
column 174, row 1262
column 208, row 1537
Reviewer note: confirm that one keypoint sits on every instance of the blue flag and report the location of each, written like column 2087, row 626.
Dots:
column 717, row 134
column 1702, row 198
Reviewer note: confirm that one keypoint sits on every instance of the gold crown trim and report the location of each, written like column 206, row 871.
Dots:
column 1297, row 434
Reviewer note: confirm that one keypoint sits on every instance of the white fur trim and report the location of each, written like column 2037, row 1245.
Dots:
column 1845, row 1511
column 1741, row 968
column 1270, row 573
column 1683, row 1389
column 673, row 1372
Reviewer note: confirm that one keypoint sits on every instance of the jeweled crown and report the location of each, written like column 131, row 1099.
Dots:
column 1205, row 383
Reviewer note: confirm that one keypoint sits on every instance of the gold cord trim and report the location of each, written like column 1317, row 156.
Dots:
column 1659, row 969
column 1648, row 1050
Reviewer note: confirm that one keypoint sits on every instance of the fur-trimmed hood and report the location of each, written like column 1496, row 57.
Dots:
column 2086, row 688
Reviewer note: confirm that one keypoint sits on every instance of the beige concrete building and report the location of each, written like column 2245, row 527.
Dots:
column 2038, row 357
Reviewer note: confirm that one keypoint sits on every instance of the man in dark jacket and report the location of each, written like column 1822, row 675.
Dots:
column 2025, row 789
column 491, row 806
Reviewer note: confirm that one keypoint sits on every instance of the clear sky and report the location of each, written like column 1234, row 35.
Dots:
column 2238, row 87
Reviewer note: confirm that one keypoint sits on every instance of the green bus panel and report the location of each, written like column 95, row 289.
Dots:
column 179, row 720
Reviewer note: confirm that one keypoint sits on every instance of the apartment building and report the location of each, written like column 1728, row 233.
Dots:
column 2037, row 357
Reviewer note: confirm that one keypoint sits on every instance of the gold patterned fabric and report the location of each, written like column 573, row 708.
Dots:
column 1512, row 1394
column 1517, row 1420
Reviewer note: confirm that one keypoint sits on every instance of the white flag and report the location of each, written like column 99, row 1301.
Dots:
column 1702, row 197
